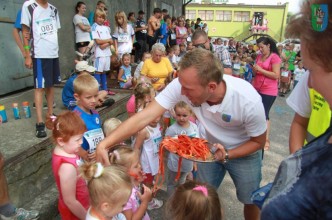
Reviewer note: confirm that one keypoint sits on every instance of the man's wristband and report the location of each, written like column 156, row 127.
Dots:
column 27, row 47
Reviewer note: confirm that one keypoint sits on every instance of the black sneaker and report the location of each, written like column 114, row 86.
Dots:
column 108, row 102
column 40, row 130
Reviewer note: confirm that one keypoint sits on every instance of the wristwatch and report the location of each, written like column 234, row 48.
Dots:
column 226, row 159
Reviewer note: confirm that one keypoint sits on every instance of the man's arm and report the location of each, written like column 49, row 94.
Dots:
column 128, row 128
column 155, row 24
column 298, row 132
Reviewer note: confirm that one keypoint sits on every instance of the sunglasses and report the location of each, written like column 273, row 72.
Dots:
column 200, row 45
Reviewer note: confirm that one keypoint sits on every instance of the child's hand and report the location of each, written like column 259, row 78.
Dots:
column 146, row 196
column 92, row 157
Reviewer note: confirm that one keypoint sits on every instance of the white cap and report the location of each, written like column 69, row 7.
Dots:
column 84, row 66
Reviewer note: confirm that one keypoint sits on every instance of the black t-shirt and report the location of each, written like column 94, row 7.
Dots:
column 140, row 35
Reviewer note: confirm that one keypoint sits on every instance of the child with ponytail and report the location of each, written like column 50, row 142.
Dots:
column 141, row 195
column 68, row 129
column 109, row 189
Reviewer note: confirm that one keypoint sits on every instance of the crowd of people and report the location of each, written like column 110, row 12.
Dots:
column 184, row 84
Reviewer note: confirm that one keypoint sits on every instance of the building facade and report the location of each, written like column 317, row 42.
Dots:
column 240, row 20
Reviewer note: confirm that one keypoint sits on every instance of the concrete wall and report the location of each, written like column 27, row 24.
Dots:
column 12, row 62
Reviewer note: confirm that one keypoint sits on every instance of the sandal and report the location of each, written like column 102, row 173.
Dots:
column 267, row 145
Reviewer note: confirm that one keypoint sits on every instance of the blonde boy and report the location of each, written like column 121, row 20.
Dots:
column 86, row 90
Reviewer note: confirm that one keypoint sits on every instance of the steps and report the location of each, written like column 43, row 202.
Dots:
column 28, row 159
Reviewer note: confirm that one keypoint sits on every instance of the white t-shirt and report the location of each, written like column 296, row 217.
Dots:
column 125, row 40
column 175, row 59
column 80, row 35
column 44, row 24
column 232, row 122
column 101, row 32
column 299, row 73
column 299, row 99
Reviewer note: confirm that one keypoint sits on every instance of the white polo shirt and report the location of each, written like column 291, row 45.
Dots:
column 232, row 122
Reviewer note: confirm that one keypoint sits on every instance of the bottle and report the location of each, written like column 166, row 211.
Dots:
column 26, row 109
column 16, row 111
column 3, row 114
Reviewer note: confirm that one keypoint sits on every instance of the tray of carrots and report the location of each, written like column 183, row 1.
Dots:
column 191, row 148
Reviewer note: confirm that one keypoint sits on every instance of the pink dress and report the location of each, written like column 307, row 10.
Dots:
column 134, row 202
column 263, row 84
column 181, row 30
column 82, row 193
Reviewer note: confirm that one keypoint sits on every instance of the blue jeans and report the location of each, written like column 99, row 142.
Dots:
column 245, row 173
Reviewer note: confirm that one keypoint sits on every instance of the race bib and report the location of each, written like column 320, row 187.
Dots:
column 156, row 142
column 123, row 38
column 45, row 27
column 284, row 74
column 236, row 66
column 94, row 137
column 173, row 36
column 182, row 31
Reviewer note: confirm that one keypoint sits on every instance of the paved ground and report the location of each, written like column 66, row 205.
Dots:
column 281, row 117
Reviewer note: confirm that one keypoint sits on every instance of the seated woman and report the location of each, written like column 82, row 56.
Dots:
column 158, row 68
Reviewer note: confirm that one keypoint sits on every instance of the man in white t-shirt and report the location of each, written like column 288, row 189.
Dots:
column 231, row 112
column 40, row 19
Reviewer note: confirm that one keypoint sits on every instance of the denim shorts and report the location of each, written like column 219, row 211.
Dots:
column 245, row 173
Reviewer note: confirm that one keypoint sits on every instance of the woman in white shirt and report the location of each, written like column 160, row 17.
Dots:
column 82, row 28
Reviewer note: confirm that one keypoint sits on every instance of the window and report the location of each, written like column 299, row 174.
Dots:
column 191, row 14
column 223, row 15
column 241, row 16
column 205, row 15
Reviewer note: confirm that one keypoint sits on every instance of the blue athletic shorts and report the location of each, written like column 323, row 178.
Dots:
column 46, row 72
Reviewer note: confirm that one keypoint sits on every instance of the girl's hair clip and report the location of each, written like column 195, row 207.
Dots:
column 53, row 117
column 116, row 154
column 203, row 189
column 99, row 171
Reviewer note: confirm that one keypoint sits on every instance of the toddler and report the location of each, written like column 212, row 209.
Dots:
column 194, row 200
column 147, row 142
column 298, row 72
column 141, row 195
column 285, row 79
column 124, row 76
column 182, row 126
column 109, row 189
column 67, row 132
column 137, row 73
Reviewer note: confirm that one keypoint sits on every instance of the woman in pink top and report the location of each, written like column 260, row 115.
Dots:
column 181, row 31
column 267, row 73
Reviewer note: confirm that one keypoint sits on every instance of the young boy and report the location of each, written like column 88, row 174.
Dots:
column 103, row 41
column 68, row 99
column 86, row 95
column 37, row 18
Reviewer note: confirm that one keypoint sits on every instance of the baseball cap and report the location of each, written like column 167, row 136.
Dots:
column 199, row 19
column 141, row 12
column 84, row 66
